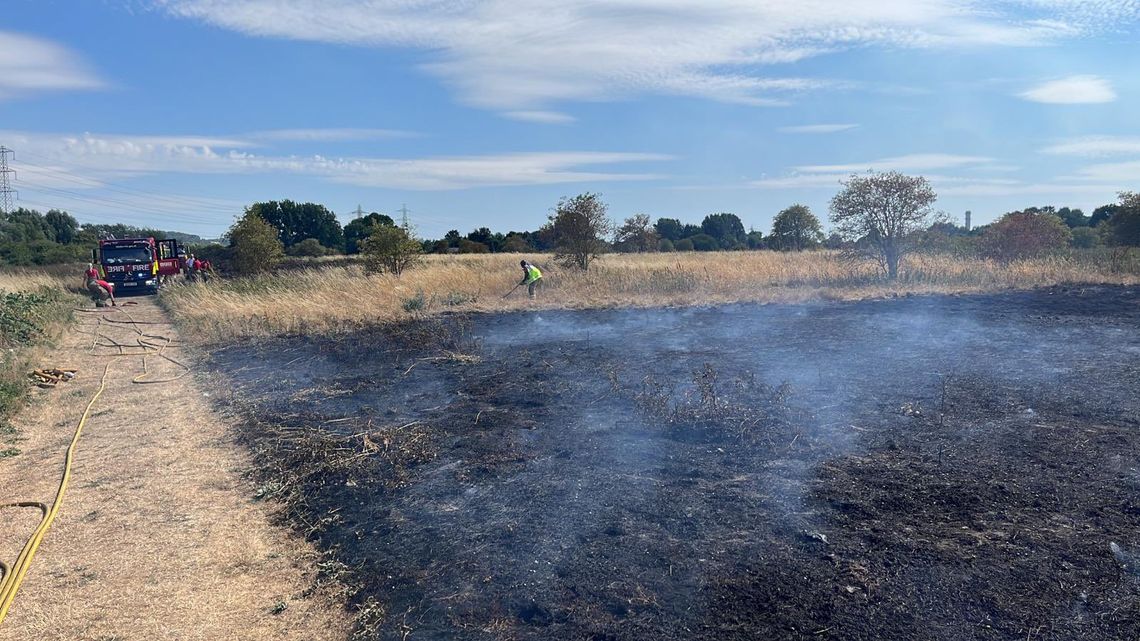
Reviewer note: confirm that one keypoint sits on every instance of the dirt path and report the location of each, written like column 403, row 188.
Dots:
column 158, row 537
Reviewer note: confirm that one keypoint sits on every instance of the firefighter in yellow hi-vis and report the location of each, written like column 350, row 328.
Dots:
column 531, row 276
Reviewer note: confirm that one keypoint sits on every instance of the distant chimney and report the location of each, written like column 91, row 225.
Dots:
column 967, row 220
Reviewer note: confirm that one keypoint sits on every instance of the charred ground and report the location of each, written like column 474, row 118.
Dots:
column 918, row 468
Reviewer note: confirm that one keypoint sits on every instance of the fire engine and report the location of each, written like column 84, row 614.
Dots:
column 136, row 264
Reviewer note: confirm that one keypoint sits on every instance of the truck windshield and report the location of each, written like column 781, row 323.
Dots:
column 124, row 255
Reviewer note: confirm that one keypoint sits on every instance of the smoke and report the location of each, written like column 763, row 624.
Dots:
column 556, row 481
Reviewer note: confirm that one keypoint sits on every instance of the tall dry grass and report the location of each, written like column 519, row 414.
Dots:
column 340, row 298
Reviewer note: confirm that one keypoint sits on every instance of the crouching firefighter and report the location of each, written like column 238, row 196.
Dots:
column 531, row 276
column 101, row 291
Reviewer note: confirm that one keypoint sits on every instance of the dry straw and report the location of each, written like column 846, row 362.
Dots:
column 326, row 298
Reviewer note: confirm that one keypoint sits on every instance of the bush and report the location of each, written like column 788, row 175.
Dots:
column 704, row 243
column 390, row 249
column 684, row 245
column 415, row 303
column 472, row 247
column 1084, row 238
column 1024, row 234
column 310, row 247
column 665, row 245
column 254, row 245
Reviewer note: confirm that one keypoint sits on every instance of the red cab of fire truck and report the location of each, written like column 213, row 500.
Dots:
column 136, row 264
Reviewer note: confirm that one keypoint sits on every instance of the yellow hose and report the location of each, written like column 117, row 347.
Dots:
column 14, row 576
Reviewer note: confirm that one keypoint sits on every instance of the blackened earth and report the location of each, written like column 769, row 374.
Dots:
column 914, row 468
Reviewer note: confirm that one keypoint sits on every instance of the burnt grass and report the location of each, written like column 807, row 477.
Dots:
column 913, row 468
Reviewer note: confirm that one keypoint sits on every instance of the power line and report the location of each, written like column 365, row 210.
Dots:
column 117, row 204
column 121, row 187
column 182, row 201
column 6, row 190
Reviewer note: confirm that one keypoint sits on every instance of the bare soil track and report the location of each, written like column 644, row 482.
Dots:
column 158, row 537
column 917, row 468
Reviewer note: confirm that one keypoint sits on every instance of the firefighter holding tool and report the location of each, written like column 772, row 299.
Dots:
column 531, row 277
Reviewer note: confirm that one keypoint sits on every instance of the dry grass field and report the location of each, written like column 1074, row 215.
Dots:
column 342, row 298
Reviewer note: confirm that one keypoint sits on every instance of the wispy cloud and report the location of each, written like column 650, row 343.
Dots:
column 544, row 117
column 329, row 135
column 121, row 154
column 31, row 65
column 831, row 176
column 512, row 57
column 1121, row 174
column 910, row 162
column 1072, row 90
column 816, row 129
column 1093, row 146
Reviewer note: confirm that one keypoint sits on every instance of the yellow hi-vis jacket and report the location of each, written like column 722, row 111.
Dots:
column 532, row 274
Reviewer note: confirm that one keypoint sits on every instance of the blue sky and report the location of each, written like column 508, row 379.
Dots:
column 177, row 113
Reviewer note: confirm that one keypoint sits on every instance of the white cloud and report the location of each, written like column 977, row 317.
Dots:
column 1092, row 146
column 816, row 129
column 544, row 117
column 1121, row 174
column 1072, row 90
column 910, row 162
column 329, row 135
column 133, row 155
column 33, row 65
column 511, row 56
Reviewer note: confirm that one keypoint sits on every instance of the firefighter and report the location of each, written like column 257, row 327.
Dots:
column 101, row 291
column 531, row 276
column 90, row 275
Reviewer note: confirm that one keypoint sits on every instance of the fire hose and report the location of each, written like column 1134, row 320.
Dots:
column 12, row 577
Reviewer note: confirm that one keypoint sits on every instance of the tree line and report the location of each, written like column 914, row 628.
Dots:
column 28, row 237
column 880, row 215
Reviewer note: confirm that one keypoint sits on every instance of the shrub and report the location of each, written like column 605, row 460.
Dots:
column 1024, row 234
column 415, row 303
column 254, row 245
column 310, row 247
column 665, row 245
column 684, row 245
column 390, row 249
column 1084, row 238
column 704, row 243
column 579, row 225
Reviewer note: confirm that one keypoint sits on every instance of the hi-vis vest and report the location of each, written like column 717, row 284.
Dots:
column 532, row 273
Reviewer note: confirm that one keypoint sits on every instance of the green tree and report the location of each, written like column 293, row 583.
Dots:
column 310, row 248
column 254, row 245
column 725, row 228
column 1073, row 217
column 795, row 229
column 1124, row 226
column 636, row 234
column 467, row 246
column 25, row 226
column 703, row 243
column 669, row 229
column 295, row 222
column 684, row 245
column 484, row 236
column 756, row 239
column 1102, row 214
column 390, row 250
column 579, row 225
column 1084, row 238
column 357, row 229
column 516, row 244
column 884, row 211
column 1024, row 234
column 665, row 245
column 63, row 224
